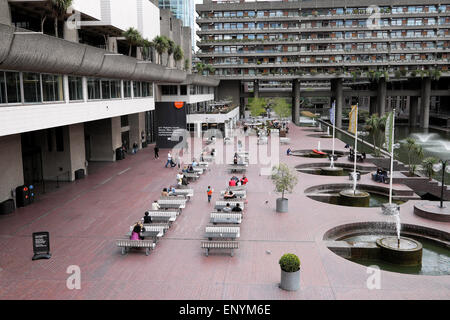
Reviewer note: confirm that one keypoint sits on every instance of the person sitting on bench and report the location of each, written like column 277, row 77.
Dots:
column 237, row 208
column 136, row 233
column 147, row 218
column 232, row 183
column 235, row 159
column 155, row 206
column 227, row 208
column 289, row 151
column 229, row 195
column 165, row 193
column 184, row 181
column 244, row 180
column 194, row 163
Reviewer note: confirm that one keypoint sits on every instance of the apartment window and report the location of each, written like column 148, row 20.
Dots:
column 240, row 14
column 94, row 89
column 75, row 88
column 9, row 87
column 32, row 87
column 106, row 89
column 115, row 89
column 137, row 89
column 52, row 88
column 127, row 89
column 251, row 13
column 169, row 90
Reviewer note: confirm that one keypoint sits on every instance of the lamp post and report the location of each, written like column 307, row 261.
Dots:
column 442, row 165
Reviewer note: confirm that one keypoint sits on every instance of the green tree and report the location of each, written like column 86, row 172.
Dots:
column 257, row 106
column 415, row 154
column 178, row 54
column 160, row 44
column 200, row 67
column 210, row 69
column 282, row 108
column 171, row 46
column 133, row 38
column 146, row 49
column 284, row 179
column 376, row 125
column 59, row 9
column 427, row 165
column 187, row 64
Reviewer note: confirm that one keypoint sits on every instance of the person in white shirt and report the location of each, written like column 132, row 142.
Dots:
column 169, row 159
column 155, row 206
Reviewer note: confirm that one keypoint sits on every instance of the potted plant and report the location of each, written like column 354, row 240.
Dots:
column 285, row 180
column 427, row 165
column 290, row 272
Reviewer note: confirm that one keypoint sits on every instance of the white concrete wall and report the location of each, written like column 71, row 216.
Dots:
column 188, row 98
column 11, row 166
column 91, row 8
column 124, row 14
column 26, row 118
column 213, row 118
column 150, row 18
column 77, row 148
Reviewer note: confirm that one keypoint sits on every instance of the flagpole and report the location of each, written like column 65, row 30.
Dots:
column 356, row 149
column 392, row 158
column 334, row 127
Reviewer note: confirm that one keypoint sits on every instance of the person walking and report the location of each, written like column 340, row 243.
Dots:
column 209, row 192
column 169, row 159
column 156, row 152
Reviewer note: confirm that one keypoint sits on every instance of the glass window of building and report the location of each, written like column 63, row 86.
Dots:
column 106, row 89
column 251, row 13
column 115, row 89
column 127, row 89
column 94, row 89
column 75, row 88
column 169, row 90
column 52, row 88
column 240, row 14
column 10, row 87
column 137, row 89
column 32, row 87
column 183, row 90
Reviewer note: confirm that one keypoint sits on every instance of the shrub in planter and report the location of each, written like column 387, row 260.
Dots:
column 290, row 272
column 289, row 263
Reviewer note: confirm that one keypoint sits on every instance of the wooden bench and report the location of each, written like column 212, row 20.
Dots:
column 163, row 226
column 222, row 232
column 220, row 245
column 237, row 169
column 233, row 202
column 175, row 204
column 191, row 176
column 239, row 194
column 238, row 188
column 154, row 233
column 188, row 193
column 232, row 218
column 127, row 244
column 163, row 216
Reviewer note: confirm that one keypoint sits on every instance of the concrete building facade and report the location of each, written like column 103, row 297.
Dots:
column 80, row 97
column 343, row 50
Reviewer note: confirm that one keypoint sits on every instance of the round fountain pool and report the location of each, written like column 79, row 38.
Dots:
column 363, row 243
column 333, row 194
column 323, row 169
column 310, row 154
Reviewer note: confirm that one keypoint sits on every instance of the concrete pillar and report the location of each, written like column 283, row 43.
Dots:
column 425, row 103
column 381, row 109
column 373, row 104
column 11, row 165
column 77, row 149
column 338, row 92
column 256, row 89
column 198, row 129
column 5, row 15
column 100, row 139
column 413, row 110
column 135, row 129
column 112, row 44
column 296, row 101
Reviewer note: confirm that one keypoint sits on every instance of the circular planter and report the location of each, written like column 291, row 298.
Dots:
column 282, row 205
column 349, row 198
column 290, row 281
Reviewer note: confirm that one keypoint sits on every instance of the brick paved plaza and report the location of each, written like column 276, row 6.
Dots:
column 86, row 217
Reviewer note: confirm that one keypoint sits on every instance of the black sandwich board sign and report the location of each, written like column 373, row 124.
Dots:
column 41, row 245
column 170, row 120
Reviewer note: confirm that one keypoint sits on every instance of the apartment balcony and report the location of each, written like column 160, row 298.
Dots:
column 247, row 19
column 368, row 15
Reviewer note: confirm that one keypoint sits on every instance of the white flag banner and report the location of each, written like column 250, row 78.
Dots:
column 389, row 132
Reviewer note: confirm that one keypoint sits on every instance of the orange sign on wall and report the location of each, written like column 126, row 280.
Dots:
column 179, row 104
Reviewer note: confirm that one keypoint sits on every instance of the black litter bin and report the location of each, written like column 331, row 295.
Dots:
column 79, row 174
column 7, row 207
column 120, row 154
